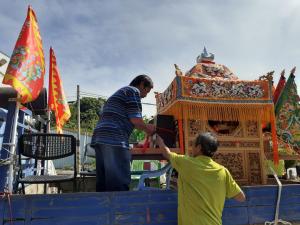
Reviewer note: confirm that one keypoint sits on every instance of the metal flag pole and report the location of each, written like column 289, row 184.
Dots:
column 12, row 150
column 78, row 166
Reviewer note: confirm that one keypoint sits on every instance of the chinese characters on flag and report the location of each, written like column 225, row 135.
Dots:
column 26, row 69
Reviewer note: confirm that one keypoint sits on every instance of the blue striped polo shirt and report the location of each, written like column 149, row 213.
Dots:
column 114, row 126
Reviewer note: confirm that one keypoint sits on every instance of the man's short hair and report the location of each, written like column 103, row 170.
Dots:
column 146, row 80
column 208, row 142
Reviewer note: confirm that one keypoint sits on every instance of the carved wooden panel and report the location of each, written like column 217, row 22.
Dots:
column 254, row 168
column 239, row 149
column 223, row 129
column 190, row 143
column 233, row 162
column 251, row 129
column 249, row 144
column 227, row 144
column 195, row 127
column 238, row 132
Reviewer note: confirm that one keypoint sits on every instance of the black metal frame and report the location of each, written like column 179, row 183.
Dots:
column 84, row 172
column 46, row 146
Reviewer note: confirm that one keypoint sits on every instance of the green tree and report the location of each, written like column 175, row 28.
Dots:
column 138, row 135
column 89, row 110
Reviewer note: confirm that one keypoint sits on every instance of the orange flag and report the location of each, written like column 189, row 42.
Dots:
column 57, row 100
column 26, row 69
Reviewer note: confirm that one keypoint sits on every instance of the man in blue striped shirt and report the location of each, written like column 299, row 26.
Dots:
column 120, row 115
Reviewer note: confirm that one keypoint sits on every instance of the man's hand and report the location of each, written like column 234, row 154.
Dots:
column 165, row 150
column 150, row 129
column 240, row 197
column 160, row 142
column 141, row 125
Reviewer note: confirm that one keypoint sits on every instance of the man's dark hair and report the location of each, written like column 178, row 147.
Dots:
column 146, row 80
column 209, row 143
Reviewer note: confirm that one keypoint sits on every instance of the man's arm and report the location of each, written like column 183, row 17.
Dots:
column 240, row 197
column 165, row 150
column 141, row 125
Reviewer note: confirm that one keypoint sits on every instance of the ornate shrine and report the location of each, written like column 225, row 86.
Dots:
column 209, row 97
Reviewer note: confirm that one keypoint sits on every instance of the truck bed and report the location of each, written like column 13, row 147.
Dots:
column 143, row 207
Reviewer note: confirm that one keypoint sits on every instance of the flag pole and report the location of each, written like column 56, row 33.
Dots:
column 48, row 120
column 78, row 134
column 12, row 150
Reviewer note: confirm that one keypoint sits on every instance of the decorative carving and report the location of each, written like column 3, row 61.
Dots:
column 268, row 76
column 190, row 143
column 223, row 128
column 238, row 132
column 163, row 99
column 254, row 168
column 227, row 144
column 195, row 126
column 178, row 71
column 224, row 89
column 252, row 129
column 249, row 144
column 233, row 162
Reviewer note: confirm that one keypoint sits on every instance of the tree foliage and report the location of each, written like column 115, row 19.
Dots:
column 138, row 135
column 89, row 110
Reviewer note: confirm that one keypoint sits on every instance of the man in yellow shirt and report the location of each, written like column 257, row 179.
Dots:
column 203, row 184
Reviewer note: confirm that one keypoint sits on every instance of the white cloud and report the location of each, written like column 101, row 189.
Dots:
column 102, row 45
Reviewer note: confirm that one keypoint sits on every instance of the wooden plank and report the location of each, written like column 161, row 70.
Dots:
column 18, row 206
column 70, row 206
column 150, row 153
column 139, row 197
column 290, row 212
column 261, row 195
column 156, row 151
column 71, row 221
column 145, row 207
column 68, row 200
column 235, row 215
column 16, row 222
column 2, row 207
column 260, row 214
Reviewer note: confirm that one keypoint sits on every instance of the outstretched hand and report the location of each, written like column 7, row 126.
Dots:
column 150, row 129
column 160, row 142
column 165, row 150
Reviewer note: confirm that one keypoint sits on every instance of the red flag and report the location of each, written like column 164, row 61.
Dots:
column 26, row 68
column 279, row 87
column 57, row 100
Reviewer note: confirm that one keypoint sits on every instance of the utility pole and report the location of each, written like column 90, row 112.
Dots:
column 78, row 161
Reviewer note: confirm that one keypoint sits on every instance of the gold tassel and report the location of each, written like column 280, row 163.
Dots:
column 219, row 112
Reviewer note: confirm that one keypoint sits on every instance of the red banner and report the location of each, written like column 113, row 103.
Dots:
column 26, row 68
column 279, row 87
column 57, row 100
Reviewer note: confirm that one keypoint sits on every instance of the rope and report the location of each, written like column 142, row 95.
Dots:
column 8, row 196
column 279, row 221
column 4, row 162
column 276, row 220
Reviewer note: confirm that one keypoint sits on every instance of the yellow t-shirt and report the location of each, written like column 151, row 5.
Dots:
column 203, row 186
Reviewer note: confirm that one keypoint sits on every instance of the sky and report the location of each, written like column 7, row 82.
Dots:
column 102, row 45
